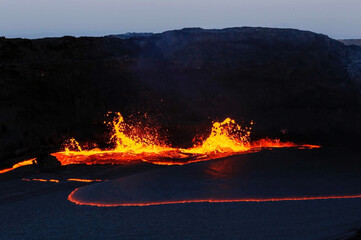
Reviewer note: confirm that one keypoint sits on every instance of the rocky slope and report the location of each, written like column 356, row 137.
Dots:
column 294, row 84
column 356, row 42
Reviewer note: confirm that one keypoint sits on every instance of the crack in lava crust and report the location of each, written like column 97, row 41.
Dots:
column 73, row 199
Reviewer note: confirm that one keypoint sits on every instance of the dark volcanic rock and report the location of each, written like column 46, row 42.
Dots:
column 283, row 79
column 356, row 42
column 47, row 163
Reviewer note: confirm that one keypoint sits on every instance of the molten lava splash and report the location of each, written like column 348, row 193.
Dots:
column 73, row 144
column 129, row 148
column 226, row 138
column 134, row 145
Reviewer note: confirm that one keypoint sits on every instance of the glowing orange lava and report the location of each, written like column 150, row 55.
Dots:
column 129, row 148
column 226, row 138
column 20, row 164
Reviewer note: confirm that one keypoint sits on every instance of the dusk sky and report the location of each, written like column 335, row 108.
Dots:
column 48, row 18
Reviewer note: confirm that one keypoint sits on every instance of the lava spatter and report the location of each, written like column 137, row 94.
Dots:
column 226, row 138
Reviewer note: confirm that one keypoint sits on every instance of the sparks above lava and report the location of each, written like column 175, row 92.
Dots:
column 134, row 145
column 226, row 138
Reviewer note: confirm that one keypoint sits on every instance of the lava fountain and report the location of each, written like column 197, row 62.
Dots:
column 134, row 145
column 226, row 138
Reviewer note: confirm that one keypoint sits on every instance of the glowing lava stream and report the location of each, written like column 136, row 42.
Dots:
column 20, row 164
column 226, row 138
column 271, row 199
